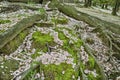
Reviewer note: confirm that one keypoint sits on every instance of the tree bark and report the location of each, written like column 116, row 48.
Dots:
column 24, row 1
column 116, row 7
column 91, row 20
column 88, row 3
column 16, row 29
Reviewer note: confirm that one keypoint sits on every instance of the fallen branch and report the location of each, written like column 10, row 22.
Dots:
column 24, row 1
column 44, row 24
column 91, row 20
column 16, row 29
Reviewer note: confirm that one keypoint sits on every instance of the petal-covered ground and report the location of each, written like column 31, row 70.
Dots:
column 57, row 49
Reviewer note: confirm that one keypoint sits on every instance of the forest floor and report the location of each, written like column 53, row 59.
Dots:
column 64, row 38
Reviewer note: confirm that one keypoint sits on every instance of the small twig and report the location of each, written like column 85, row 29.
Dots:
column 49, row 48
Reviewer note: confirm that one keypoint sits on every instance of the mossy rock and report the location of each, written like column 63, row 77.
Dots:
column 7, row 67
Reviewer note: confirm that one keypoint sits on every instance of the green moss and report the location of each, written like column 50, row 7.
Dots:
column 8, row 66
column 36, row 54
column 54, row 72
column 62, row 20
column 91, row 77
column 40, row 40
column 91, row 65
column 30, row 75
column 4, row 21
column 69, row 30
column 71, row 48
column 92, row 62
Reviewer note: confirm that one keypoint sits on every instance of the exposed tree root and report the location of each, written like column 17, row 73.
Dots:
column 112, row 41
column 16, row 29
column 44, row 24
column 106, row 36
column 90, row 52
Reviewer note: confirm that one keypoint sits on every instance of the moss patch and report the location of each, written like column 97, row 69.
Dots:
column 59, row 72
column 36, row 54
column 4, row 21
column 40, row 40
column 6, row 67
column 71, row 48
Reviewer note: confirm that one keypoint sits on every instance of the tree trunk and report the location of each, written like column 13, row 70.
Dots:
column 91, row 20
column 103, row 6
column 88, row 3
column 116, row 7
column 24, row 1
column 106, row 6
column 16, row 29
